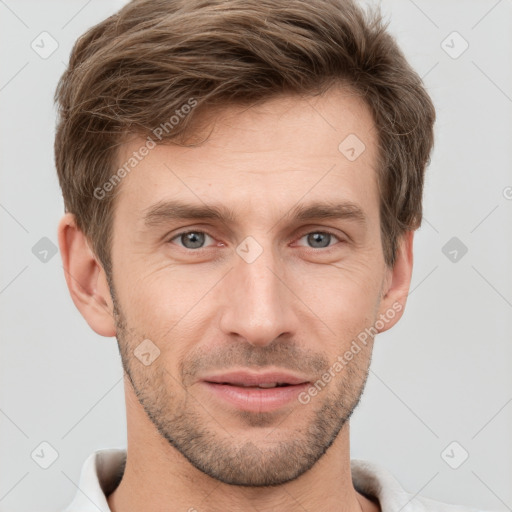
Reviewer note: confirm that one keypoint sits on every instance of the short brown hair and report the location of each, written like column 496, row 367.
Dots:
column 138, row 67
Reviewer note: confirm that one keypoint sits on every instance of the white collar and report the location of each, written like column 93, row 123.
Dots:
column 103, row 469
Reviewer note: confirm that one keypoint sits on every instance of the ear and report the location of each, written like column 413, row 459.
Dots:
column 85, row 277
column 397, row 283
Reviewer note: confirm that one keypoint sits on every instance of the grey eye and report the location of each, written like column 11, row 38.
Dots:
column 319, row 240
column 192, row 239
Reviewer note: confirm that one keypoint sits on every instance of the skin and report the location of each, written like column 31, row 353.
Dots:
column 298, row 306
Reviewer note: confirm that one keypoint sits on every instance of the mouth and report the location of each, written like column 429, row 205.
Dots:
column 262, row 385
column 255, row 392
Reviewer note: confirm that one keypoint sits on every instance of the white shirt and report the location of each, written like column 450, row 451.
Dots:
column 103, row 470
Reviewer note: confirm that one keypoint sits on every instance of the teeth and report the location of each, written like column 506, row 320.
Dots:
column 270, row 385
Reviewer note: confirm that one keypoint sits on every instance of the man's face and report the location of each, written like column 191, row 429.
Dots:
column 263, row 291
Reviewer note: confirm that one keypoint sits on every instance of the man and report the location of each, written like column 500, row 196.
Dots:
column 242, row 181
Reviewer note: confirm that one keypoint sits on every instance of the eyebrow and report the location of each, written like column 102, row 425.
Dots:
column 166, row 211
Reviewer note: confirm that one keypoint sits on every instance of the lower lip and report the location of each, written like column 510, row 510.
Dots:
column 256, row 399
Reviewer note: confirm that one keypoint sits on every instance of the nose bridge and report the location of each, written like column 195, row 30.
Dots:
column 257, row 306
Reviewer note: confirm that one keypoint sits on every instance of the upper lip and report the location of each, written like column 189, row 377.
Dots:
column 246, row 378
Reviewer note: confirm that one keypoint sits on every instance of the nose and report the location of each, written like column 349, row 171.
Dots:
column 257, row 305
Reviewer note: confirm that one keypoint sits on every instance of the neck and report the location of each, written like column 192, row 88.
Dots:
column 157, row 474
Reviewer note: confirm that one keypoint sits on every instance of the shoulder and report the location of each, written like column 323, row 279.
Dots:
column 101, row 473
column 376, row 482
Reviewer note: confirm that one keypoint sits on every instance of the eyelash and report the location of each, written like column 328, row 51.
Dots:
column 323, row 231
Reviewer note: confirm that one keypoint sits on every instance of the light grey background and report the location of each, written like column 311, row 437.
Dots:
column 443, row 374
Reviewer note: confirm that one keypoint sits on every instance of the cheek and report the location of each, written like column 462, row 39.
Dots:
column 162, row 302
column 346, row 298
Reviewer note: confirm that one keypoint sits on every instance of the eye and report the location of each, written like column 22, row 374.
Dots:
column 197, row 239
column 319, row 239
column 191, row 239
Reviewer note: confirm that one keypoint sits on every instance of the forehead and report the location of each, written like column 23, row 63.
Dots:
column 260, row 158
